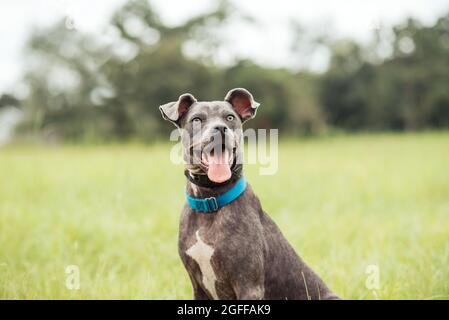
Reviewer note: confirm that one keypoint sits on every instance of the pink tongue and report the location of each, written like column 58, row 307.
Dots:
column 219, row 170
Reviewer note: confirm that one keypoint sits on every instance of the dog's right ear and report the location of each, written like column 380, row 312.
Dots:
column 174, row 111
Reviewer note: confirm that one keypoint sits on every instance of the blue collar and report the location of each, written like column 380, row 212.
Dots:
column 212, row 204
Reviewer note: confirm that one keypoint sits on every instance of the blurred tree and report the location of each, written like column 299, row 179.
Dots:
column 407, row 91
column 342, row 96
column 7, row 100
column 109, row 87
column 421, row 73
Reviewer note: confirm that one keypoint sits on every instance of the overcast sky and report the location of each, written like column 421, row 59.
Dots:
column 267, row 43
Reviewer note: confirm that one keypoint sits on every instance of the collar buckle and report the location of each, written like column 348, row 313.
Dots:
column 211, row 204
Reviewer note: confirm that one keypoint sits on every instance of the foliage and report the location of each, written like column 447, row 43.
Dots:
column 109, row 87
column 407, row 91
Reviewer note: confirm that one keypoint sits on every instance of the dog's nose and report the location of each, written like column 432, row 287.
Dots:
column 221, row 129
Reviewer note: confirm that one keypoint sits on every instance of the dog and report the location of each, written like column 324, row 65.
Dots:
column 230, row 247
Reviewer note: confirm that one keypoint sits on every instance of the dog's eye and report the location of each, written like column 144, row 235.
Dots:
column 196, row 120
column 230, row 117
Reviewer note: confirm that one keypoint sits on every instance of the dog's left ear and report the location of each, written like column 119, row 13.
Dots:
column 243, row 103
column 173, row 111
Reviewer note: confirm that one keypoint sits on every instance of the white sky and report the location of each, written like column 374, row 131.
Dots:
column 267, row 42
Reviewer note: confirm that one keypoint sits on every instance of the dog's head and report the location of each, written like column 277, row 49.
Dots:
column 211, row 132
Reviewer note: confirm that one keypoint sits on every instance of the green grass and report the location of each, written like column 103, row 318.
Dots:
column 344, row 203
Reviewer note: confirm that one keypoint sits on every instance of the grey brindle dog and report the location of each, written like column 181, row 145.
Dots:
column 236, row 252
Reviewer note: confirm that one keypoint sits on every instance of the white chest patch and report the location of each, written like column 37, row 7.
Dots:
column 202, row 253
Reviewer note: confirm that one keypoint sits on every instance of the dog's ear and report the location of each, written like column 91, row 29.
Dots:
column 173, row 111
column 243, row 103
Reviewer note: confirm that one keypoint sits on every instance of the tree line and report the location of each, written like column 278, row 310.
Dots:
column 82, row 87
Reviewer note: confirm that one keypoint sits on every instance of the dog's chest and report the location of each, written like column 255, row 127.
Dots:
column 202, row 253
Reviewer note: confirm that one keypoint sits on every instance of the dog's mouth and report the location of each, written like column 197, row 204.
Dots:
column 217, row 161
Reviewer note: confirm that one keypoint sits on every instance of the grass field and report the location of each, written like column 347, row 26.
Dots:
column 344, row 203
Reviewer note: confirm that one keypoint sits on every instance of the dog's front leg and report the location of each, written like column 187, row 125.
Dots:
column 250, row 292
column 249, row 283
column 246, row 268
column 198, row 292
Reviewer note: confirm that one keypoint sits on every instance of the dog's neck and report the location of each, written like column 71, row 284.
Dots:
column 205, row 190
